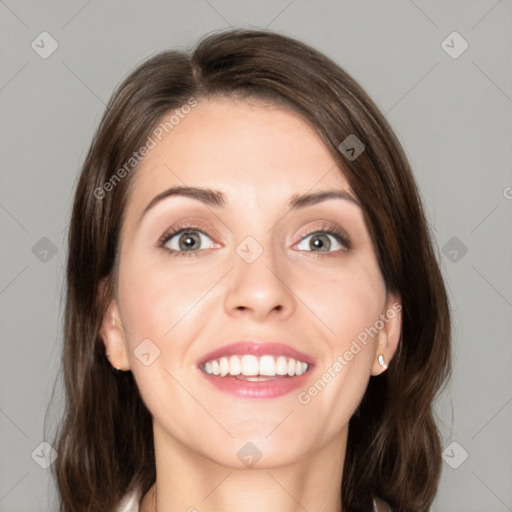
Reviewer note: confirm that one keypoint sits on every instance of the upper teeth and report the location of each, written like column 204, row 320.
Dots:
column 249, row 365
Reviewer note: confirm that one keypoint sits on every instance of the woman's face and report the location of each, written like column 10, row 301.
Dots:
column 263, row 264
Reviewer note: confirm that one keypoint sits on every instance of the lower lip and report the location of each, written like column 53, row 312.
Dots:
column 260, row 389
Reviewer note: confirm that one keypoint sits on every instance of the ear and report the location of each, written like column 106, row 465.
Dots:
column 389, row 336
column 113, row 334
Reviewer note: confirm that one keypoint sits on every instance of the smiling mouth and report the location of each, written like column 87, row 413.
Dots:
column 253, row 368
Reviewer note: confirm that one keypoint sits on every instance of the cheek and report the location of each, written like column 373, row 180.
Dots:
column 345, row 300
column 155, row 303
column 156, row 296
column 348, row 304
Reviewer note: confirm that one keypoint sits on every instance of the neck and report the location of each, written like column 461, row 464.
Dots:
column 191, row 482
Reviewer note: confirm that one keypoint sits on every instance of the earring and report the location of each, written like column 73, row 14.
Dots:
column 381, row 362
column 116, row 367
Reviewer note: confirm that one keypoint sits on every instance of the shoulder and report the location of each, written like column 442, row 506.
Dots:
column 379, row 505
column 129, row 503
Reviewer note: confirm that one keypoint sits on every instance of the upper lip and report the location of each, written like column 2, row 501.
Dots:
column 257, row 348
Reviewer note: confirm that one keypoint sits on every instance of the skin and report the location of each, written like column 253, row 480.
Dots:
column 258, row 155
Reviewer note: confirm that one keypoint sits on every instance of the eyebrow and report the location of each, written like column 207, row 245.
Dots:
column 215, row 198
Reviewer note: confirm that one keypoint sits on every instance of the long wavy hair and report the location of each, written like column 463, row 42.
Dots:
column 105, row 439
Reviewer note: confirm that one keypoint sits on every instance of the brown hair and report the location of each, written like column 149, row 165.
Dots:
column 105, row 439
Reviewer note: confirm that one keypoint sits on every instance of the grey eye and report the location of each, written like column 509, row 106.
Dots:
column 188, row 241
column 319, row 242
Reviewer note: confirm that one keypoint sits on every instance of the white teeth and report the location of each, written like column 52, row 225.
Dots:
column 281, row 366
column 224, row 366
column 300, row 368
column 235, row 365
column 267, row 366
column 249, row 365
column 291, row 367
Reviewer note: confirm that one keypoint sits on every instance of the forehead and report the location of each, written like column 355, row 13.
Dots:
column 246, row 148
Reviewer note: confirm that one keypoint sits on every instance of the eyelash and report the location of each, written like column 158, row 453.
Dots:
column 327, row 229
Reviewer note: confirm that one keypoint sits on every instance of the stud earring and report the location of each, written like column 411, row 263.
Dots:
column 116, row 367
column 381, row 361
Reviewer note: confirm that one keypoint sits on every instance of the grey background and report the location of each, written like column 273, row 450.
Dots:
column 453, row 116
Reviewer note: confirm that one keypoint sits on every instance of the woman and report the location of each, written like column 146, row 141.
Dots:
column 255, row 316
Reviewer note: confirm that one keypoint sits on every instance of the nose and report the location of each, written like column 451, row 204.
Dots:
column 259, row 290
